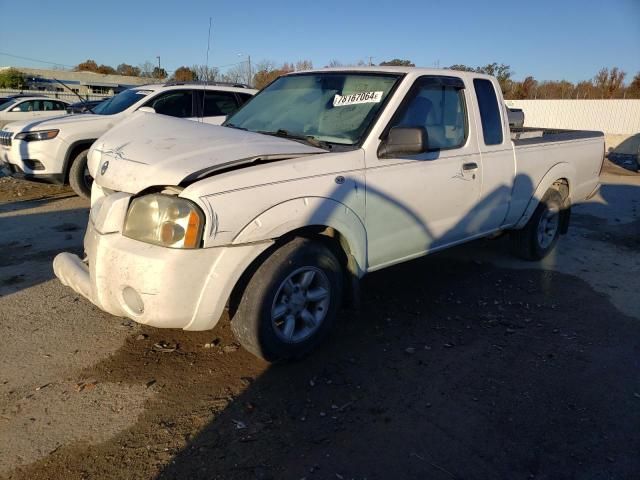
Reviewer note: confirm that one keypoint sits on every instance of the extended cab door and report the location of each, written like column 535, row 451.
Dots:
column 415, row 203
column 496, row 149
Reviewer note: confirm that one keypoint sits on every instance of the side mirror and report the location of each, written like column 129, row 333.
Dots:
column 405, row 141
column 147, row 109
column 16, row 109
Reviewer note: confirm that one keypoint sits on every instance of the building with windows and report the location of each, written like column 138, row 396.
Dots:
column 86, row 84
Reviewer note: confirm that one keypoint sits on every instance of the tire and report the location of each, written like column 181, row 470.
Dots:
column 290, row 302
column 79, row 178
column 541, row 233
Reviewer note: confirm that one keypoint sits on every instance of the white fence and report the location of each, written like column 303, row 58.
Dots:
column 620, row 117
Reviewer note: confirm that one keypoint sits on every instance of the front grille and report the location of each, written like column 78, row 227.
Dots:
column 5, row 138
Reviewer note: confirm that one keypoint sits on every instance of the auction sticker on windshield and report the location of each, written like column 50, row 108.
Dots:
column 357, row 98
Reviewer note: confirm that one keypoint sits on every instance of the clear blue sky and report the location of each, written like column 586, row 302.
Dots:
column 549, row 39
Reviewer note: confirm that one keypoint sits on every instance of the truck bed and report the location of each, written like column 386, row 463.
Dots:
column 539, row 150
column 533, row 136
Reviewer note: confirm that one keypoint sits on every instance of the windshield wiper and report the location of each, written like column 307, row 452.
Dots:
column 310, row 139
column 231, row 125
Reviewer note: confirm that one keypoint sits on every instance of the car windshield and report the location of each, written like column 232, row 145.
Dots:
column 7, row 104
column 120, row 102
column 328, row 107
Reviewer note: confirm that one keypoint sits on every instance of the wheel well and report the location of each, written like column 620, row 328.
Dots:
column 562, row 186
column 74, row 150
column 329, row 236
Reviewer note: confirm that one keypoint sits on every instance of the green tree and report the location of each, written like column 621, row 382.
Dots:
column 12, row 78
column 397, row 62
column 501, row 71
column 462, row 68
column 159, row 73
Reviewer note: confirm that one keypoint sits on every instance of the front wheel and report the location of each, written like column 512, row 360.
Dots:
column 79, row 177
column 542, row 231
column 291, row 301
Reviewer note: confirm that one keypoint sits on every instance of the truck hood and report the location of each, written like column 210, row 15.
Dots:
column 103, row 122
column 150, row 149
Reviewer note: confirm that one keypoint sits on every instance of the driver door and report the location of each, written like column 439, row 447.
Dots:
column 417, row 203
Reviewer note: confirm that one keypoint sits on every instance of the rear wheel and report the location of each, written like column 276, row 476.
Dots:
column 79, row 177
column 291, row 301
column 542, row 231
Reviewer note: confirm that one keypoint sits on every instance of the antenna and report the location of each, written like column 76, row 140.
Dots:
column 206, row 72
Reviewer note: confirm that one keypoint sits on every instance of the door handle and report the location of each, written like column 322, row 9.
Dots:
column 467, row 167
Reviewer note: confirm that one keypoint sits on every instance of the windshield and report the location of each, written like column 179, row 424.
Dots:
column 7, row 104
column 330, row 107
column 120, row 102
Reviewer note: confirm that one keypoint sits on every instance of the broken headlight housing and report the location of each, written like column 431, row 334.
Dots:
column 164, row 220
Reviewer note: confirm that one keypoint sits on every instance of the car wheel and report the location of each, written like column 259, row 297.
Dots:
column 79, row 177
column 290, row 302
column 542, row 231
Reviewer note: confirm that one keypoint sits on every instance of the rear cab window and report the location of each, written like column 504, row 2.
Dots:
column 489, row 111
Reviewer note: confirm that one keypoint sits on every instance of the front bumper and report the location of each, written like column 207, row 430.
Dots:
column 49, row 153
column 153, row 285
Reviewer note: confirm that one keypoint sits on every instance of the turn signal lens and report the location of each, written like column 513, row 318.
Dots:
column 165, row 220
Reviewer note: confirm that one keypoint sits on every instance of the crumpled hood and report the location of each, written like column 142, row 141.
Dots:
column 149, row 149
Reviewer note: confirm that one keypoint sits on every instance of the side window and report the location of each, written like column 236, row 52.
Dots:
column 175, row 103
column 219, row 103
column 47, row 105
column 59, row 106
column 28, row 106
column 440, row 109
column 489, row 111
column 243, row 97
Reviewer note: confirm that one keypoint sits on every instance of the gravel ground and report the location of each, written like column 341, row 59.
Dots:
column 466, row 364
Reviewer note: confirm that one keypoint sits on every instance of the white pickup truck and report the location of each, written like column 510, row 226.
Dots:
column 55, row 150
column 322, row 177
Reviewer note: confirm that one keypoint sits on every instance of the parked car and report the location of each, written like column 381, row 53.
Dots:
column 20, row 95
column 323, row 177
column 56, row 151
column 85, row 106
column 30, row 108
column 516, row 117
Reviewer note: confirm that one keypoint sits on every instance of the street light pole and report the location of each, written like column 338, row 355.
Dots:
column 249, row 62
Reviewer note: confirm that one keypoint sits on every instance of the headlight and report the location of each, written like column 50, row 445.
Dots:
column 164, row 220
column 37, row 135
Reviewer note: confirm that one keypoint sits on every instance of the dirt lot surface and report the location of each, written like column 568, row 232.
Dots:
column 463, row 365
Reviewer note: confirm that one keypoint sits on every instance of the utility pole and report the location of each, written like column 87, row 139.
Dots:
column 158, row 57
column 249, row 63
column 370, row 61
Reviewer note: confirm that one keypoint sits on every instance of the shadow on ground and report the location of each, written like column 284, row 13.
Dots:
column 30, row 241
column 452, row 370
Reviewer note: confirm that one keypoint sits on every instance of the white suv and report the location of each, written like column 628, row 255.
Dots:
column 30, row 108
column 55, row 150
